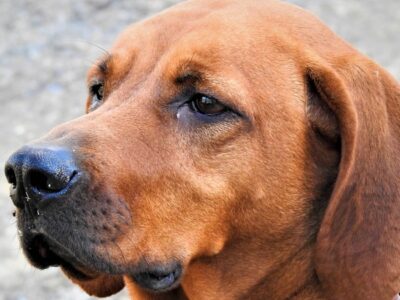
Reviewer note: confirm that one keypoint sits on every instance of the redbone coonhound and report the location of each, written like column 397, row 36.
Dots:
column 231, row 150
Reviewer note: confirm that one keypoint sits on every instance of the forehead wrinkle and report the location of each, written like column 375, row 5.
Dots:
column 195, row 72
column 186, row 71
column 103, row 63
column 100, row 68
column 190, row 70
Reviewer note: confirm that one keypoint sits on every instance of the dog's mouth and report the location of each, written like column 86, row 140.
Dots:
column 43, row 254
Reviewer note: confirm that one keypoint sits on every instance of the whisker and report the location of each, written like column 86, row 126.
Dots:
column 102, row 49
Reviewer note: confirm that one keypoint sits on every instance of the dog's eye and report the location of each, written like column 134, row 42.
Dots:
column 97, row 94
column 206, row 105
column 197, row 109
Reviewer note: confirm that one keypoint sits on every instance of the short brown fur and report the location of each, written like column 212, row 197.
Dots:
column 295, row 199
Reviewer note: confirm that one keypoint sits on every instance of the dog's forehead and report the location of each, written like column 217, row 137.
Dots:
column 193, row 18
column 225, row 28
column 171, row 28
column 230, row 40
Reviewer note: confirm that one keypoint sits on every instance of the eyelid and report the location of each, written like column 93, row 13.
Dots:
column 185, row 96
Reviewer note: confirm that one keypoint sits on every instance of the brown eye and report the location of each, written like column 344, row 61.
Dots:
column 97, row 91
column 97, row 94
column 207, row 105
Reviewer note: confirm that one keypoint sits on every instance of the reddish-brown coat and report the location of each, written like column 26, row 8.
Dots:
column 236, row 203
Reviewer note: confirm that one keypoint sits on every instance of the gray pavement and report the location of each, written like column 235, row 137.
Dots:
column 45, row 49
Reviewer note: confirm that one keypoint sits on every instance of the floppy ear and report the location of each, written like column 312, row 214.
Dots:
column 358, row 244
column 102, row 285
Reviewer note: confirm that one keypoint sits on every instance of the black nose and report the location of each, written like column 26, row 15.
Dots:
column 40, row 174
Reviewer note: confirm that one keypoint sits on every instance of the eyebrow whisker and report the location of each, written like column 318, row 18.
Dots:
column 105, row 51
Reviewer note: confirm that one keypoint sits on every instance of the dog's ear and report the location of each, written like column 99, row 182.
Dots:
column 101, row 286
column 355, row 102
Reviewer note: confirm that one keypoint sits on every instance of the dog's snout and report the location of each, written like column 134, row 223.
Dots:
column 40, row 174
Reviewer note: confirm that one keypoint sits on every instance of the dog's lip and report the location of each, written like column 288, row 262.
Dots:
column 79, row 273
column 43, row 254
column 159, row 279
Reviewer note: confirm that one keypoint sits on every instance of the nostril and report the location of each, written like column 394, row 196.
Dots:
column 39, row 181
column 11, row 178
column 15, row 190
column 48, row 183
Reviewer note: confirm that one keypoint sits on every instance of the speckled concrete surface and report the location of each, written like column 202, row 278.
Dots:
column 46, row 47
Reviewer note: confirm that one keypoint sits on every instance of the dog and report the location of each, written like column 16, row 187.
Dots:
column 232, row 149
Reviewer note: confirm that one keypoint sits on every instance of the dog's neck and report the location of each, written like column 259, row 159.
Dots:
column 241, row 271
column 253, row 269
column 255, row 265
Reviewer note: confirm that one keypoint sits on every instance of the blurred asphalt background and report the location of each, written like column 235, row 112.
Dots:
column 45, row 49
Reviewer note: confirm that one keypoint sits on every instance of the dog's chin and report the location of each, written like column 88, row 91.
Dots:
column 158, row 278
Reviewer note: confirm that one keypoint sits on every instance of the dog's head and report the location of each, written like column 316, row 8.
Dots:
column 213, row 122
